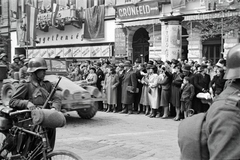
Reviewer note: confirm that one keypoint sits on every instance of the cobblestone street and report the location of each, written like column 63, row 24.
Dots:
column 117, row 136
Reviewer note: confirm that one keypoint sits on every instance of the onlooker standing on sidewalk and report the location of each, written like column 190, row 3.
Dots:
column 187, row 96
column 129, row 87
column 110, row 85
column 144, row 100
column 201, row 84
column 175, row 90
column 218, row 82
column 120, row 72
column 165, row 83
column 153, row 93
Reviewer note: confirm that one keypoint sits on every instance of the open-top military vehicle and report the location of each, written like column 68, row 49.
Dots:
column 84, row 100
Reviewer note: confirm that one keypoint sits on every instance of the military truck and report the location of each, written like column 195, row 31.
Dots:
column 83, row 100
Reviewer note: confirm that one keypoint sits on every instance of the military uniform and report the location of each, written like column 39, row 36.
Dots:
column 215, row 135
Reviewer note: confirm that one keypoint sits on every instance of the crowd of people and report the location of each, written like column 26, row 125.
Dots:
column 157, row 88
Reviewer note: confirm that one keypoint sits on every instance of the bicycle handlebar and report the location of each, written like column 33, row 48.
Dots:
column 19, row 112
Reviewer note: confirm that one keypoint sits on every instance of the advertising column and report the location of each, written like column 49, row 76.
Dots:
column 172, row 40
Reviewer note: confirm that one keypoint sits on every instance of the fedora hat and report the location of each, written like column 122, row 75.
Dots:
column 186, row 68
column 127, row 64
column 202, row 67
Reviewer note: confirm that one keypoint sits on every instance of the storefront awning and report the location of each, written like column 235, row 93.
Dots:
column 211, row 15
column 141, row 23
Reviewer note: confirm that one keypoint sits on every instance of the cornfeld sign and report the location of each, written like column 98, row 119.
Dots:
column 144, row 9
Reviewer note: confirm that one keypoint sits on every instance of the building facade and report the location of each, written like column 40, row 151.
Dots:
column 67, row 37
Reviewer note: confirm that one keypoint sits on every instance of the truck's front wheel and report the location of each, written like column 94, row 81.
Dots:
column 88, row 113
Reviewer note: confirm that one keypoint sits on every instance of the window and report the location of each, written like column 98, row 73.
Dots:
column 0, row 8
column 91, row 3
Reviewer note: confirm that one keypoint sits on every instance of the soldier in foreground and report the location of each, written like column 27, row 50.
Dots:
column 215, row 135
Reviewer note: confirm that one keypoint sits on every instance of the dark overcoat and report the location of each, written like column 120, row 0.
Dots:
column 129, row 79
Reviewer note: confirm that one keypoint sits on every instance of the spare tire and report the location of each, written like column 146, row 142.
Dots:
column 6, row 93
column 88, row 113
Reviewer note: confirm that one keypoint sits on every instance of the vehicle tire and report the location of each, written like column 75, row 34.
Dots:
column 6, row 93
column 88, row 113
column 62, row 155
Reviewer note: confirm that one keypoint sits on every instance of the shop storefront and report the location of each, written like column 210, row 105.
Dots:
column 138, row 32
column 67, row 40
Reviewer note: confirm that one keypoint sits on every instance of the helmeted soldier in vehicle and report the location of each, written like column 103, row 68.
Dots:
column 4, row 60
column 22, row 58
column 33, row 93
column 217, row 135
column 23, row 74
column 15, row 66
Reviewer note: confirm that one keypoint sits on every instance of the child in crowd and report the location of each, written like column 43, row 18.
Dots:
column 187, row 95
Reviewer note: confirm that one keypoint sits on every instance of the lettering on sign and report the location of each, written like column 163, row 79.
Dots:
column 120, row 43
column 140, row 10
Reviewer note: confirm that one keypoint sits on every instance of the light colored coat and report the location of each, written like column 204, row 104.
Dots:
column 153, row 95
column 110, row 85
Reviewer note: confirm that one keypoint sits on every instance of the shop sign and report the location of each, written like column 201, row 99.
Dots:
column 120, row 43
column 51, row 52
column 77, row 52
column 59, row 52
column 45, row 17
column 106, row 51
column 96, row 51
column 145, row 9
column 86, row 52
column 67, row 52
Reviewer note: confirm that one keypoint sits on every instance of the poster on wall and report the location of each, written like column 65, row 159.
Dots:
column 44, row 53
column 96, row 51
column 51, row 52
column 120, row 43
column 36, row 53
column 106, row 51
column 59, row 52
column 30, row 53
column 67, row 52
column 77, row 52
column 86, row 52
column 174, row 41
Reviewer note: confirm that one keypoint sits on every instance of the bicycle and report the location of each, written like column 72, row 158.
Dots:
column 18, row 128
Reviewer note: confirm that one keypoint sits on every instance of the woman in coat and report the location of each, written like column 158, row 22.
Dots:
column 110, row 85
column 218, row 82
column 165, row 83
column 153, row 93
column 144, row 100
column 176, row 90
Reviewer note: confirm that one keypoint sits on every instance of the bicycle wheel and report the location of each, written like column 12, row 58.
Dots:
column 62, row 155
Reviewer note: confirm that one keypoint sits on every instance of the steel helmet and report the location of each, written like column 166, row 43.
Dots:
column 36, row 63
column 233, row 63
column 3, row 55
column 16, row 57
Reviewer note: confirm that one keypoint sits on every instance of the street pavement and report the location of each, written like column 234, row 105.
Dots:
column 114, row 136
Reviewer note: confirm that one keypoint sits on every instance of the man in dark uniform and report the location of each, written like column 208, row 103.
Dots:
column 100, row 78
column 4, row 60
column 219, row 132
column 35, row 91
column 15, row 66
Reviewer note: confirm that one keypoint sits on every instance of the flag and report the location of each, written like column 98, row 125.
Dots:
column 20, row 32
column 54, row 13
column 31, row 15
column 94, row 22
column 176, row 4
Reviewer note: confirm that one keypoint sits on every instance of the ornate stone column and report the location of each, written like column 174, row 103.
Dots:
column 230, row 40
column 195, row 46
column 171, row 37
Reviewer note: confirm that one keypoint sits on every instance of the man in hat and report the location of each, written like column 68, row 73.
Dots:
column 34, row 92
column 120, row 72
column 129, row 87
column 100, row 78
column 15, row 66
column 201, row 84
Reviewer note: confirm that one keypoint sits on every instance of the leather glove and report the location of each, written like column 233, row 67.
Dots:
column 31, row 106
